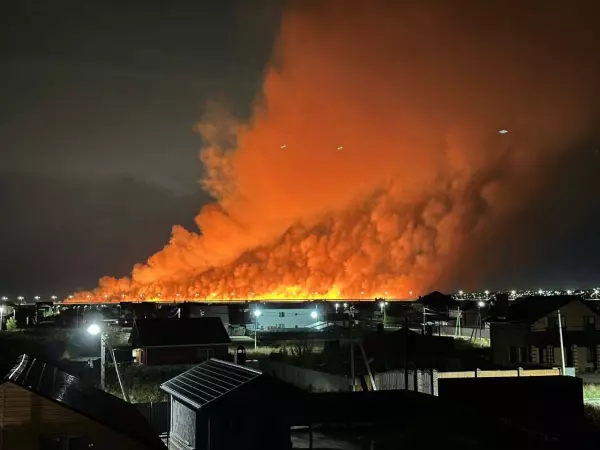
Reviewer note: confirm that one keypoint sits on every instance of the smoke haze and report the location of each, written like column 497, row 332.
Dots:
column 373, row 163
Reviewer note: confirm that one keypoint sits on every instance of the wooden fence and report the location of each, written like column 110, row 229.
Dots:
column 157, row 414
column 426, row 380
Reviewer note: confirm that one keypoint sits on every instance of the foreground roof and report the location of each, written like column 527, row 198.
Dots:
column 172, row 332
column 209, row 381
column 47, row 381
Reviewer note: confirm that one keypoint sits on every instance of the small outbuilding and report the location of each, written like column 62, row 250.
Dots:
column 178, row 341
column 219, row 405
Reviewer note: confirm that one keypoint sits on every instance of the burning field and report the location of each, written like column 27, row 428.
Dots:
column 374, row 162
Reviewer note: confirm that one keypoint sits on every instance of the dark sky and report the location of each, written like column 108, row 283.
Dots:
column 98, row 100
column 98, row 157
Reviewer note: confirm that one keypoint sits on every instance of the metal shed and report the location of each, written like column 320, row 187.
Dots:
column 220, row 405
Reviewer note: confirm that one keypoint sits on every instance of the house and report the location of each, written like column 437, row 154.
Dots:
column 178, row 341
column 526, row 332
column 42, row 407
column 280, row 317
column 220, row 405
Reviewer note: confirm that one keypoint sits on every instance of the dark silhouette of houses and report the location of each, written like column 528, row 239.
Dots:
column 392, row 350
column 178, row 341
column 526, row 332
column 42, row 407
column 221, row 405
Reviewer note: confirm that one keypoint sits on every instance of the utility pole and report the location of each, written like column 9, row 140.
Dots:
column 102, row 363
column 562, row 345
column 406, row 353
column 351, row 354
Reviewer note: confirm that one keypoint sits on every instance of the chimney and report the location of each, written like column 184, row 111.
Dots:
column 501, row 307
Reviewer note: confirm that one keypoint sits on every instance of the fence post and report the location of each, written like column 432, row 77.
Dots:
column 477, row 373
column 434, row 382
column 519, row 371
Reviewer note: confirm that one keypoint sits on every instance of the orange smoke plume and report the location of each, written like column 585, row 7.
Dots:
column 373, row 164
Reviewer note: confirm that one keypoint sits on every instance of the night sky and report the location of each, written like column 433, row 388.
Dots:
column 99, row 157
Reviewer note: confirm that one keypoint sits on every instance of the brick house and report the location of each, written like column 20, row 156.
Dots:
column 526, row 332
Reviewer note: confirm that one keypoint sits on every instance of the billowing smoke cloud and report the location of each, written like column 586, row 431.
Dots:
column 373, row 162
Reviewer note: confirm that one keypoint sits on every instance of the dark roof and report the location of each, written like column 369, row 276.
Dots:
column 530, row 309
column 47, row 381
column 209, row 381
column 167, row 332
column 437, row 301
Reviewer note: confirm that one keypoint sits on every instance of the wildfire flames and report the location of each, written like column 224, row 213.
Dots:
column 373, row 163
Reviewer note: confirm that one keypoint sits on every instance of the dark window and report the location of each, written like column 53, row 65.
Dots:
column 522, row 354
column 281, row 314
column 550, row 354
column 590, row 354
column 553, row 322
column 512, row 355
column 589, row 322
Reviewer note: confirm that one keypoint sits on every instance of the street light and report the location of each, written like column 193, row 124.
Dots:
column 481, row 303
column 382, row 305
column 53, row 297
column 36, row 298
column 337, row 305
column 4, row 298
column 20, row 298
column 257, row 314
column 95, row 330
column 314, row 314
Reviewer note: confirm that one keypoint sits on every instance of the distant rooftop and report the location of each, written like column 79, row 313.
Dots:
column 172, row 332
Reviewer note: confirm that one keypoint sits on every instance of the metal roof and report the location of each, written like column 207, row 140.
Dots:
column 209, row 381
column 49, row 382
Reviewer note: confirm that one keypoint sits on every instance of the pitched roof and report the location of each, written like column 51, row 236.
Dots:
column 209, row 381
column 47, row 381
column 533, row 308
column 437, row 301
column 167, row 332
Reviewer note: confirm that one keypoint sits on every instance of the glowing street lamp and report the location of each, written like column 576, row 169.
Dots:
column 382, row 305
column 53, row 297
column 95, row 330
column 4, row 298
column 314, row 314
column 481, row 303
column 36, row 298
column 337, row 305
column 257, row 314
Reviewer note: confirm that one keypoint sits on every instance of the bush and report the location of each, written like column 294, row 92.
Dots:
column 11, row 324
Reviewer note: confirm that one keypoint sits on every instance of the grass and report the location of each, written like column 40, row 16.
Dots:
column 591, row 392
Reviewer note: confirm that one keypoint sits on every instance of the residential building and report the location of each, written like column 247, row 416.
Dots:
column 527, row 332
column 178, row 341
column 42, row 407
column 284, row 317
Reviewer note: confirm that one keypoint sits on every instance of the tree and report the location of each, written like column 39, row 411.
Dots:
column 11, row 324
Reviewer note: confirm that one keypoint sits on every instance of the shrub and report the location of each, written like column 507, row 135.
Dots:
column 11, row 324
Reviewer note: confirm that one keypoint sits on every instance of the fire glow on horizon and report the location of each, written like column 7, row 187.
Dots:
column 365, row 169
